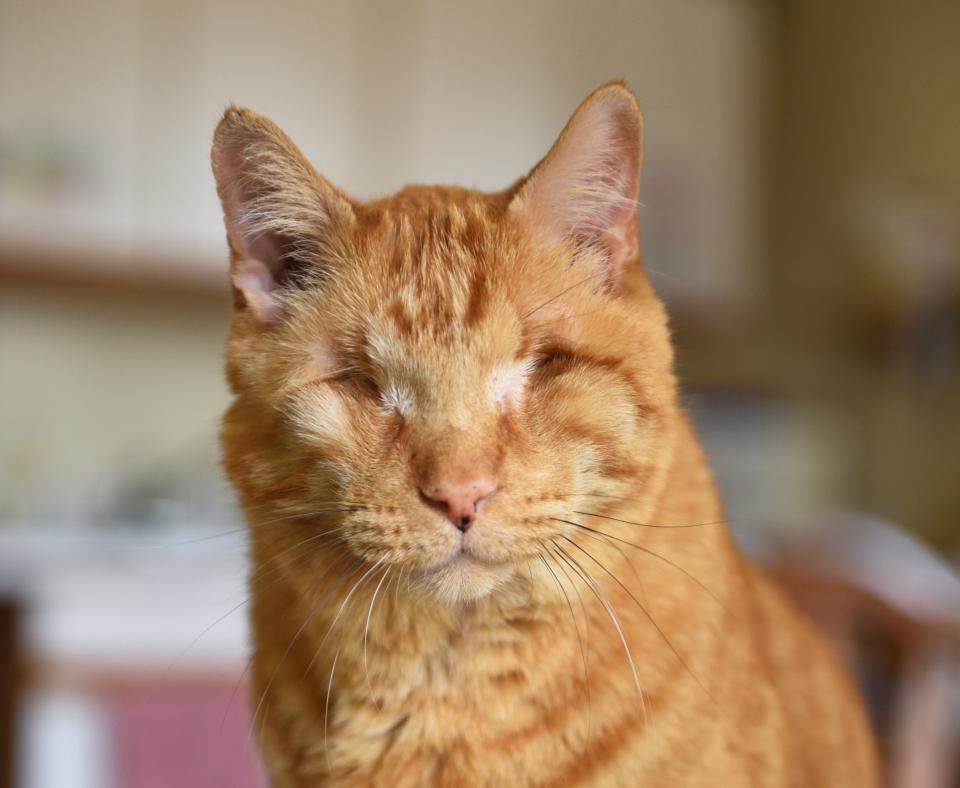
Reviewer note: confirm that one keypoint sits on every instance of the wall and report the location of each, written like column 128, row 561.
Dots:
column 863, row 268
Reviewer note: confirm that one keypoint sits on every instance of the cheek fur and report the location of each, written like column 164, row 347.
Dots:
column 320, row 413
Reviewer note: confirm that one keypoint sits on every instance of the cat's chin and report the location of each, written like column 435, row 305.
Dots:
column 465, row 578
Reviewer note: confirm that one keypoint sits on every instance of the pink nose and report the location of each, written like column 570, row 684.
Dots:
column 459, row 501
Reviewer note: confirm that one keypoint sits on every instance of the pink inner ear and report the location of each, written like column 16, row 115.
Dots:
column 254, row 279
column 586, row 188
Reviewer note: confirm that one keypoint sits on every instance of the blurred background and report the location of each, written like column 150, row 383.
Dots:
column 801, row 216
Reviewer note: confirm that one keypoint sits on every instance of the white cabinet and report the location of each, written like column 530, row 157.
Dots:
column 107, row 110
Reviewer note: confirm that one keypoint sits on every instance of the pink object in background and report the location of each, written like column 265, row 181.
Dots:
column 179, row 736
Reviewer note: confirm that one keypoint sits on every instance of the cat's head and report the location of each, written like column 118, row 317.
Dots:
column 437, row 380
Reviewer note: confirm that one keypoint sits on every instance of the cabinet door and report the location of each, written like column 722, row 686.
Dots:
column 68, row 121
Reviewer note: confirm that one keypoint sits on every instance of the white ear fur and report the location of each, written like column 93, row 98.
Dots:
column 585, row 190
column 279, row 212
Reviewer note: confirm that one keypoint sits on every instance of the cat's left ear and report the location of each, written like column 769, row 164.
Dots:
column 281, row 214
column 585, row 190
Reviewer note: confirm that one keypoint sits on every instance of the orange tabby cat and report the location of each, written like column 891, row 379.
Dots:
column 487, row 549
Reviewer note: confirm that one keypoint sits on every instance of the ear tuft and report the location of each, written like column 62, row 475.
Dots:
column 584, row 192
column 279, row 212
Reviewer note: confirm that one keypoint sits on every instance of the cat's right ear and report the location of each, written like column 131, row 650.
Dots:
column 280, row 213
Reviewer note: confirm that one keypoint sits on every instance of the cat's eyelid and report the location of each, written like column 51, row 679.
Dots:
column 335, row 376
column 508, row 382
column 548, row 350
column 324, row 380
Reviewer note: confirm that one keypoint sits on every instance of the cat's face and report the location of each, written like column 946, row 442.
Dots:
column 434, row 382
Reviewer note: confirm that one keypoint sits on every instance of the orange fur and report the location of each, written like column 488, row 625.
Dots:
column 596, row 625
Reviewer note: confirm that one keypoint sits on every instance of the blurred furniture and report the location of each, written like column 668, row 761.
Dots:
column 182, row 735
column 893, row 609
column 9, row 687
column 134, row 646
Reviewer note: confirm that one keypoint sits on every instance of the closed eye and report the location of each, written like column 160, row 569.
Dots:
column 349, row 381
column 554, row 358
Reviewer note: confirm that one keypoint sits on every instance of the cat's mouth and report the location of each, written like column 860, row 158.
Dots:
column 464, row 557
column 464, row 573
